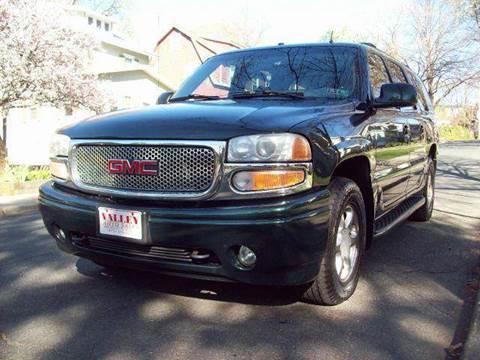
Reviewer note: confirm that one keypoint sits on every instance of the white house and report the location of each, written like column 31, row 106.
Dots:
column 128, row 76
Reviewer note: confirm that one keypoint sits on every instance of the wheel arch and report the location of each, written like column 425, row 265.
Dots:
column 358, row 169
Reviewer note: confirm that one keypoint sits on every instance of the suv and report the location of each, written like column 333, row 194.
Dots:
column 268, row 166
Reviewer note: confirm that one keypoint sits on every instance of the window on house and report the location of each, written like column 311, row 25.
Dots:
column 90, row 21
column 378, row 74
column 107, row 27
column 99, row 24
column 129, row 58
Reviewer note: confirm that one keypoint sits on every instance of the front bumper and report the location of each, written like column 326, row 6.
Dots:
column 287, row 234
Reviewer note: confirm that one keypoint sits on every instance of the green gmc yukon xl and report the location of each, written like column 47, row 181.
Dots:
column 269, row 166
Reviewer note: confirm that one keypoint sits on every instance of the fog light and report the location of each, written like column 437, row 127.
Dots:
column 59, row 233
column 246, row 256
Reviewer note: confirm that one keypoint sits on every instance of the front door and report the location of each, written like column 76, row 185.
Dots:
column 391, row 136
column 392, row 155
column 419, row 122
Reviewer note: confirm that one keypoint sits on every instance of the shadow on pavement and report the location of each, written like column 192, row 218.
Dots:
column 201, row 289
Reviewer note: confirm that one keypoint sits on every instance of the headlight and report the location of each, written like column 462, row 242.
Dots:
column 59, row 146
column 58, row 150
column 269, row 148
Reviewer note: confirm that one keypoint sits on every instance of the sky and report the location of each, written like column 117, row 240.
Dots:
column 288, row 21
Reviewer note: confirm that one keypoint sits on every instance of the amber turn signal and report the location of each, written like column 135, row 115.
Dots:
column 301, row 150
column 267, row 179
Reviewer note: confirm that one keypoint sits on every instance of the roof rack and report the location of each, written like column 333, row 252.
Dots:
column 376, row 48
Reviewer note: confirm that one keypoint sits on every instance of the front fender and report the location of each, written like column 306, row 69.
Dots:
column 348, row 148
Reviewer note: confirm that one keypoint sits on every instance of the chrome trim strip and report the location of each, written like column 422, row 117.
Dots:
column 62, row 160
column 218, row 148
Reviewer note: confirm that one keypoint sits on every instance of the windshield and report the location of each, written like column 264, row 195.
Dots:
column 320, row 72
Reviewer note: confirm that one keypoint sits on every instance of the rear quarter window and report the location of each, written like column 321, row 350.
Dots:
column 423, row 99
column 396, row 72
column 378, row 74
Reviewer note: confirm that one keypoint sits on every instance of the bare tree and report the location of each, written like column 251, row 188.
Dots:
column 469, row 11
column 442, row 50
column 246, row 30
column 434, row 39
column 342, row 34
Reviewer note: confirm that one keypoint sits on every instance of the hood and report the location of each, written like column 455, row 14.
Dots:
column 212, row 120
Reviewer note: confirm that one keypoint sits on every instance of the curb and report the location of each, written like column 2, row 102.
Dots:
column 16, row 210
column 472, row 345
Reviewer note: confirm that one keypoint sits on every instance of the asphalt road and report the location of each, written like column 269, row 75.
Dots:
column 412, row 301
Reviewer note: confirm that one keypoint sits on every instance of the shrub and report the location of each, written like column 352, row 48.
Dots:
column 23, row 173
column 455, row 132
column 41, row 173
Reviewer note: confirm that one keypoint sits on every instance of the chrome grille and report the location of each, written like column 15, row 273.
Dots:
column 182, row 168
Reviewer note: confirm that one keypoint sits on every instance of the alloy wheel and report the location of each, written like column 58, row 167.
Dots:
column 347, row 243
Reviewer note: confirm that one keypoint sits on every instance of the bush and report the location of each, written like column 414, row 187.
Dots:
column 455, row 132
column 23, row 173
column 41, row 173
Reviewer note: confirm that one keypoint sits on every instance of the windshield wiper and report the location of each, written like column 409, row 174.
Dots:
column 268, row 93
column 195, row 97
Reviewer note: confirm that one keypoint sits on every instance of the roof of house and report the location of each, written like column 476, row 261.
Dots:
column 121, row 43
column 146, row 71
column 205, row 42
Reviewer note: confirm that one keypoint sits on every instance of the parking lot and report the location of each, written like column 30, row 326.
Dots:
column 413, row 300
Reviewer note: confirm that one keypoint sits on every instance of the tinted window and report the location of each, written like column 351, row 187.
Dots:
column 421, row 93
column 323, row 73
column 396, row 72
column 378, row 74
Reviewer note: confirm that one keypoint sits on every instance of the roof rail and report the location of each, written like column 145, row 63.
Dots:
column 368, row 44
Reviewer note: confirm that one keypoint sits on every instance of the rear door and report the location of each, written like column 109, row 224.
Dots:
column 419, row 122
column 391, row 140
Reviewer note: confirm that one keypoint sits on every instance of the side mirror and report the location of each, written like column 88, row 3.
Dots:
column 163, row 98
column 396, row 95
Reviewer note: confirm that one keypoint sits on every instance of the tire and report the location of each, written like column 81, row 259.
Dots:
column 333, row 286
column 425, row 212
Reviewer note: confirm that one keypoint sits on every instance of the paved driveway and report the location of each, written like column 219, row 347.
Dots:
column 409, row 303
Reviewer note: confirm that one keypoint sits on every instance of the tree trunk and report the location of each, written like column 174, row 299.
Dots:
column 3, row 143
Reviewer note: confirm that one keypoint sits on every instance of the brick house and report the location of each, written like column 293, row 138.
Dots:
column 178, row 53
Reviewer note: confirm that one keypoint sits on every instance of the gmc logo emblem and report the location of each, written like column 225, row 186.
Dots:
column 132, row 167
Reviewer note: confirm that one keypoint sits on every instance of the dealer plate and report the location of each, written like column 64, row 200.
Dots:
column 122, row 223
